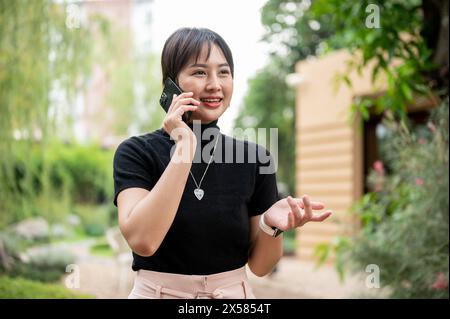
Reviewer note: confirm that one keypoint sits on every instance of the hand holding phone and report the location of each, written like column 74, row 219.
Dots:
column 171, row 88
column 175, row 122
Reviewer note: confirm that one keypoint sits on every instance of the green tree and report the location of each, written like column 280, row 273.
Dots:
column 39, row 55
column 47, row 57
column 295, row 31
column 133, row 83
column 290, row 28
column 409, row 32
column 273, row 108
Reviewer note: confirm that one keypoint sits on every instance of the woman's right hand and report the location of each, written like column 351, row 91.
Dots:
column 173, row 123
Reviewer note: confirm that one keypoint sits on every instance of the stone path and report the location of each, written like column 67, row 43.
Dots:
column 295, row 279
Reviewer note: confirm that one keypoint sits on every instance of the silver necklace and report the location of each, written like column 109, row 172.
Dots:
column 198, row 192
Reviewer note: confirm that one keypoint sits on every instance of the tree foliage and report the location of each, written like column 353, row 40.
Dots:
column 409, row 33
column 295, row 32
column 404, row 225
column 405, row 217
column 41, row 63
column 294, row 35
column 269, row 103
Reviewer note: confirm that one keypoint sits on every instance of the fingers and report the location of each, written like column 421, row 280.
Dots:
column 308, row 208
column 185, row 102
column 298, row 218
column 295, row 208
column 185, row 108
column 291, row 220
column 322, row 216
column 182, row 95
column 175, row 98
column 182, row 99
column 314, row 205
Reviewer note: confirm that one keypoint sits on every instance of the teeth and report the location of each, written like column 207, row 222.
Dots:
column 208, row 100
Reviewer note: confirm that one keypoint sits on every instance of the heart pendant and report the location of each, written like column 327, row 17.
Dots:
column 198, row 192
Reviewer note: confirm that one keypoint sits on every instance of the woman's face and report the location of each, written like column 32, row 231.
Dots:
column 210, row 81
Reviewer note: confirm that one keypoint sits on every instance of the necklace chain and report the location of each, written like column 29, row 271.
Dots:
column 210, row 160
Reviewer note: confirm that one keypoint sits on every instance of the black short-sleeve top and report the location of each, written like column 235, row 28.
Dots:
column 210, row 235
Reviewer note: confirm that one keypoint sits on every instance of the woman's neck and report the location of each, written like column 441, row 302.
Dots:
column 203, row 125
column 205, row 132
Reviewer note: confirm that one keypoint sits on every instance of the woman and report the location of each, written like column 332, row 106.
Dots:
column 193, row 224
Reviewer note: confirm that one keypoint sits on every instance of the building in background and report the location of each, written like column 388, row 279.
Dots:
column 333, row 155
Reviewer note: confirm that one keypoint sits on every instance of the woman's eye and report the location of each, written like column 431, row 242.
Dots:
column 199, row 72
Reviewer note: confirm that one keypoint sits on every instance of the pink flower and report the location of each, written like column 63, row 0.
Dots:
column 422, row 141
column 379, row 170
column 419, row 181
column 440, row 283
column 378, row 167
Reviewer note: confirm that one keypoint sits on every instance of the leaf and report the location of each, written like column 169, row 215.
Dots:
column 322, row 253
column 364, row 112
column 406, row 91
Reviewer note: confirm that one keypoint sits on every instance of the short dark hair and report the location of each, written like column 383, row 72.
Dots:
column 185, row 43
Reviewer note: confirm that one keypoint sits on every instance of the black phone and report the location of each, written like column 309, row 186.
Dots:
column 171, row 88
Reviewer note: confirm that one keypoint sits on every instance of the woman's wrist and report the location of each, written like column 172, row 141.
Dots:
column 269, row 230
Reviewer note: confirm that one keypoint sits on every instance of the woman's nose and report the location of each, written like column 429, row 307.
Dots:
column 213, row 84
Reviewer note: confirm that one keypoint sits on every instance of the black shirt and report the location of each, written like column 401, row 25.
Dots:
column 210, row 235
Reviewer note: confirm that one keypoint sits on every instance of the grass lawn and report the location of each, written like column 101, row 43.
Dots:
column 19, row 288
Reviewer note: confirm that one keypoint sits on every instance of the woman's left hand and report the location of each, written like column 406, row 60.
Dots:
column 290, row 213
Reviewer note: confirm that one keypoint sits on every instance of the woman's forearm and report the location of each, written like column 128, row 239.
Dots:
column 149, row 221
column 265, row 254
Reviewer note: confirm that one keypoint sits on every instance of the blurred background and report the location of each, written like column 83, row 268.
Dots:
column 358, row 92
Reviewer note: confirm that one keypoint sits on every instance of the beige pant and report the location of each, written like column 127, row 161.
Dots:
column 159, row 285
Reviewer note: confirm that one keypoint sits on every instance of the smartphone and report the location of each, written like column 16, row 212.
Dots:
column 171, row 88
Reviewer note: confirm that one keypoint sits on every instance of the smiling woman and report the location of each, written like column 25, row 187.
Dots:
column 211, row 83
column 194, row 225
column 200, row 63
column 202, row 71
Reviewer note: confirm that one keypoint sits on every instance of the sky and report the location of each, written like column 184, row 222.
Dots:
column 237, row 21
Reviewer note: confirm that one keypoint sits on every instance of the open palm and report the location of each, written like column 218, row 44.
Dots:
column 291, row 212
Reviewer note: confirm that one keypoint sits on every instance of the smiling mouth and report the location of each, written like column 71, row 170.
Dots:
column 213, row 103
column 211, row 100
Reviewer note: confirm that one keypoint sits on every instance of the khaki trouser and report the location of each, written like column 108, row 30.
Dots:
column 159, row 285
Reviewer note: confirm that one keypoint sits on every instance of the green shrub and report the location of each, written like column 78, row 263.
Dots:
column 20, row 288
column 32, row 272
column 46, row 180
column 89, row 171
column 95, row 219
column 95, row 230
column 102, row 248
column 405, row 220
